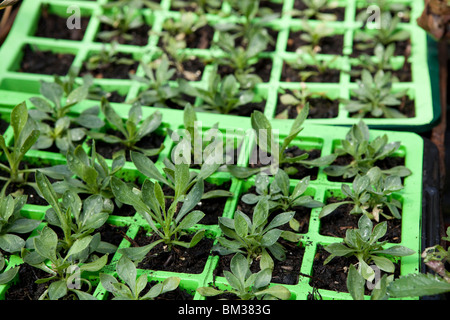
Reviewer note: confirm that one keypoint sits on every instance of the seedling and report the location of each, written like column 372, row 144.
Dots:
column 363, row 244
column 381, row 60
column 365, row 153
column 297, row 99
column 133, row 129
column 64, row 267
column 315, row 10
column 247, row 285
column 267, row 143
column 257, row 238
column 171, row 171
column 158, row 91
column 250, row 26
column 52, row 113
column 106, row 58
column 92, row 174
column 122, row 19
column 223, row 95
column 279, row 195
column 168, row 223
column 77, row 219
column 389, row 32
column 374, row 96
column 12, row 222
column 356, row 285
column 239, row 59
column 370, row 194
column 187, row 24
column 133, row 286
column 313, row 35
column 309, row 58
column 196, row 149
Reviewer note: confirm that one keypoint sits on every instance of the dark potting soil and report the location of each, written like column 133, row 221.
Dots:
column 293, row 151
column 200, row 39
column 328, row 45
column 112, row 234
column 33, row 196
column 26, row 288
column 107, row 150
column 3, row 126
column 333, row 275
column 139, row 35
column 247, row 109
column 115, row 96
column 386, row 163
column 339, row 12
column 53, row 26
column 179, row 259
column 263, row 68
column 193, row 68
column 113, row 70
column 284, row 272
column 337, row 223
column 290, row 74
column 406, row 107
column 274, row 7
column 45, row 62
column 319, row 108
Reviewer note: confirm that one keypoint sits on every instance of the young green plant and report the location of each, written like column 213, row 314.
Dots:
column 247, row 285
column 363, row 244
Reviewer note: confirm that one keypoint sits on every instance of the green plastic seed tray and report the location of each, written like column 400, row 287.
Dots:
column 419, row 88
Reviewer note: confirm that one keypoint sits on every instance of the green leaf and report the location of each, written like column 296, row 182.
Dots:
column 8, row 275
column 355, row 283
column 240, row 225
column 78, row 246
column 413, row 285
column 147, row 167
column 46, row 244
column 57, row 290
column 208, row 291
column 11, row 243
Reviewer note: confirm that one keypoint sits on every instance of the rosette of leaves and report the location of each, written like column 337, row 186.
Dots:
column 133, row 286
column 52, row 114
column 187, row 24
column 316, row 9
column 8, row 274
column 266, row 141
column 313, row 35
column 257, row 238
column 169, row 223
column 398, row 9
column 381, row 60
column 25, row 135
column 371, row 194
column 222, row 94
column 76, row 218
column 12, row 222
column 133, row 129
column 365, row 153
column 310, row 58
column 241, row 60
column 122, row 19
column 107, row 57
column 158, row 90
column 247, row 285
column 374, row 96
column 297, row 99
column 65, row 267
column 179, row 186
column 92, row 175
column 388, row 32
column 356, row 285
column 363, row 244
column 249, row 26
column 279, row 194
